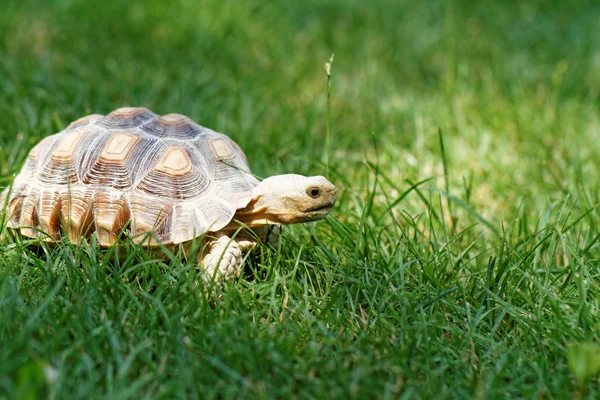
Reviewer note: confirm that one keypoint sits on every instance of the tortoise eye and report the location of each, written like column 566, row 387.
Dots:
column 313, row 192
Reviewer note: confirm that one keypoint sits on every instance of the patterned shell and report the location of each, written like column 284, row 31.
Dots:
column 131, row 172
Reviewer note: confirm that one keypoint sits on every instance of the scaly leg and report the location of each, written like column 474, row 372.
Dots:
column 223, row 259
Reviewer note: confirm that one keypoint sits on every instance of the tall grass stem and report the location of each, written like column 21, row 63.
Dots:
column 328, row 68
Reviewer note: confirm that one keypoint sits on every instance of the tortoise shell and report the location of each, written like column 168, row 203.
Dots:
column 134, row 172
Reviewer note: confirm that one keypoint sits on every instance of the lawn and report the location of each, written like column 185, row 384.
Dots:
column 462, row 259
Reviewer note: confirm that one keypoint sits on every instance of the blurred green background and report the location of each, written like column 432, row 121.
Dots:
column 477, row 292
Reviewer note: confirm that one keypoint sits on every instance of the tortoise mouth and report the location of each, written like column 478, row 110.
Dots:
column 321, row 207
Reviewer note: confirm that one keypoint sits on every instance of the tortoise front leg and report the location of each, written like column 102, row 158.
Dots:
column 222, row 259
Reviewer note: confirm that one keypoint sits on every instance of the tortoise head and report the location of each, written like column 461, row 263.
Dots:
column 288, row 199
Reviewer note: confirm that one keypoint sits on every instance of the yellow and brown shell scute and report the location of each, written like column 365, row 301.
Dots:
column 154, row 178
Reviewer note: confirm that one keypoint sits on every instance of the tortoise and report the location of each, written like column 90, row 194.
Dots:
column 160, row 180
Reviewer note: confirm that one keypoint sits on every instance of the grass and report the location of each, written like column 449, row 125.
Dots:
column 462, row 259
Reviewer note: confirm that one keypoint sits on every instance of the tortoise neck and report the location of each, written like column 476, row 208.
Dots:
column 253, row 215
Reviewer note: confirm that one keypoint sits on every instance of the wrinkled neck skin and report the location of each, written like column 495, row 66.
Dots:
column 255, row 214
column 287, row 199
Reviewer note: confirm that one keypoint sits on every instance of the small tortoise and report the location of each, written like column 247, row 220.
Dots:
column 158, row 179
